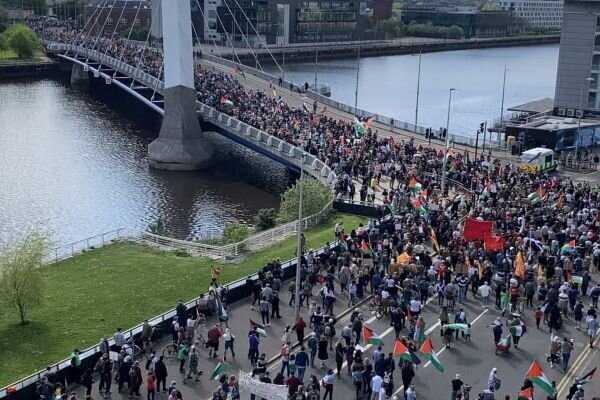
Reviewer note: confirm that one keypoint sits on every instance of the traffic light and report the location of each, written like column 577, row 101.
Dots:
column 482, row 126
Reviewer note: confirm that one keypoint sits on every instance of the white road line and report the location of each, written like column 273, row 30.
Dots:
column 401, row 389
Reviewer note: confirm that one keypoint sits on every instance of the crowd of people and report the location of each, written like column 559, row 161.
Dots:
column 545, row 252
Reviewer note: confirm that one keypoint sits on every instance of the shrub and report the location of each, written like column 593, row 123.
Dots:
column 265, row 219
column 315, row 197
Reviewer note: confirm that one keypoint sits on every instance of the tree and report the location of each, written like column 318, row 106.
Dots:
column 159, row 228
column 391, row 27
column 266, row 219
column 3, row 18
column 3, row 45
column 22, row 40
column 315, row 197
column 455, row 32
column 20, row 279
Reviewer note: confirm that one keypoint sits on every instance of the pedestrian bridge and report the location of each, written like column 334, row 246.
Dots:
column 140, row 85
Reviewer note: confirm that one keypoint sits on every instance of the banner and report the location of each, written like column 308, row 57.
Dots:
column 494, row 243
column 477, row 230
column 267, row 391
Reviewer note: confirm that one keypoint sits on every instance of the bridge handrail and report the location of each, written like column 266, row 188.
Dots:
column 385, row 120
column 317, row 168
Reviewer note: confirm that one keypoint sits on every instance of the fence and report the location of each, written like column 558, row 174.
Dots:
column 88, row 355
column 382, row 119
column 71, row 249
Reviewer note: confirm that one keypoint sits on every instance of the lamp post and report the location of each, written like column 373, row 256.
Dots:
column 357, row 74
column 445, row 160
column 418, row 89
column 299, row 240
column 588, row 81
column 502, row 106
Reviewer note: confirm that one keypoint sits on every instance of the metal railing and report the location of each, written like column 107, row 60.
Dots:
column 93, row 242
column 382, row 119
column 95, row 350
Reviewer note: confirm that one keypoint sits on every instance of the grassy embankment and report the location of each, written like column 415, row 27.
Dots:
column 119, row 286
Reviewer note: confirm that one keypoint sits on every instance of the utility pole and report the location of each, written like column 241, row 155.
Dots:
column 418, row 90
column 299, row 240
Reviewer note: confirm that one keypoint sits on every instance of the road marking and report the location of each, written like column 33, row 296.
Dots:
column 401, row 388
column 571, row 373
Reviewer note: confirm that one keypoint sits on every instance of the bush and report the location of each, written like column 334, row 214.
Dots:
column 315, row 197
column 235, row 232
column 181, row 253
column 265, row 219
column 159, row 228
column 22, row 40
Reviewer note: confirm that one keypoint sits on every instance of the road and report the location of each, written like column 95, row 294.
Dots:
column 472, row 360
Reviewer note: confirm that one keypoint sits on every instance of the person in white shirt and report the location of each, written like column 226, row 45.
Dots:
column 415, row 307
column 484, row 291
column 119, row 339
column 376, row 386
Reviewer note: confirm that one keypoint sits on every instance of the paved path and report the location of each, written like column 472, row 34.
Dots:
column 472, row 360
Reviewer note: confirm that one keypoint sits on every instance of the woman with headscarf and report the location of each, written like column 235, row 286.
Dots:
column 493, row 380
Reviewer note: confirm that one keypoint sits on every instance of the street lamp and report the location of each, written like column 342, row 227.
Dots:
column 299, row 239
column 588, row 81
column 418, row 88
column 502, row 104
column 445, row 160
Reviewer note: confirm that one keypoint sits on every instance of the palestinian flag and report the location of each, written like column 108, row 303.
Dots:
column 534, row 197
column 365, row 248
column 419, row 207
column 420, row 331
column 414, row 185
column 427, row 351
column 538, row 155
column 458, row 198
column 371, row 337
column 226, row 101
column 567, row 247
column 392, row 209
column 535, row 375
column 526, row 394
column 586, row 378
column 258, row 327
column 457, row 327
column 238, row 70
column 401, row 351
column 448, row 154
column 434, row 241
column 219, row 369
column 516, row 330
column 358, row 127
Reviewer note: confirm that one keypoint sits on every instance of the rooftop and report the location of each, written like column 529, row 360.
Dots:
column 551, row 123
column 534, row 107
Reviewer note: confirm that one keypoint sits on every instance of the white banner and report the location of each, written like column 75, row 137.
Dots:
column 267, row 391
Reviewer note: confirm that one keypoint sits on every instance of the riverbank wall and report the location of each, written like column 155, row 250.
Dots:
column 386, row 48
column 29, row 69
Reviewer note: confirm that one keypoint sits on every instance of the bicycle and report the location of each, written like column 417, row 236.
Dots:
column 132, row 349
column 170, row 351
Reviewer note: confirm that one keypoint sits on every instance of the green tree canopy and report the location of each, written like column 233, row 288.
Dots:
column 315, row 197
column 22, row 40
column 3, row 18
column 392, row 28
column 20, row 280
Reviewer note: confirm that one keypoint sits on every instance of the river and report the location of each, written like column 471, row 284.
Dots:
column 78, row 168
column 388, row 85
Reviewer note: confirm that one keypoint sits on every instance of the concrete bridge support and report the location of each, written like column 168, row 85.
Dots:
column 79, row 77
column 181, row 144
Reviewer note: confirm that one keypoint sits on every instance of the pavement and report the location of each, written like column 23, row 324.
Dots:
column 473, row 361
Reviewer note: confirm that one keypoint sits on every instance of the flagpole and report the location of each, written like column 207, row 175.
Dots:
column 299, row 239
column 418, row 89
column 357, row 73
column 445, row 160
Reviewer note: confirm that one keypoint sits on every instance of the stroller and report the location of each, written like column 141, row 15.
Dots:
column 555, row 356
column 503, row 345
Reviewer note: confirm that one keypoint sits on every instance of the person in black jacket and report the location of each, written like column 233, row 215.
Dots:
column 275, row 305
column 160, row 371
column 87, row 380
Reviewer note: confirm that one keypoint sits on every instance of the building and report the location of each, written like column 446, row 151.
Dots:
column 382, row 10
column 281, row 22
column 474, row 23
column 579, row 60
column 122, row 16
column 535, row 13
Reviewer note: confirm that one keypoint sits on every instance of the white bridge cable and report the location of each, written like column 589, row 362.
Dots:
column 112, row 37
column 243, row 36
column 101, row 33
column 89, row 32
column 160, row 72
column 260, row 38
column 205, row 19
column 141, row 56
column 129, row 36
column 78, row 33
column 226, row 35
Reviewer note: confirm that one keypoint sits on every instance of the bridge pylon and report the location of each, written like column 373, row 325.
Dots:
column 181, row 144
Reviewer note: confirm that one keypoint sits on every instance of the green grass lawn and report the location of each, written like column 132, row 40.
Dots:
column 8, row 55
column 119, row 286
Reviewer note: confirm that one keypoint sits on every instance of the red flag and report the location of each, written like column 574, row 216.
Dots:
column 494, row 243
column 477, row 230
column 572, row 243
